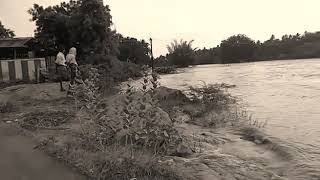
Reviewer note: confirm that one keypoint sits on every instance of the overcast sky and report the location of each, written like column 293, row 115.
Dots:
column 205, row 21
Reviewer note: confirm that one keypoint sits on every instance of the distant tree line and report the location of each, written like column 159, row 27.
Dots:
column 289, row 47
column 240, row 48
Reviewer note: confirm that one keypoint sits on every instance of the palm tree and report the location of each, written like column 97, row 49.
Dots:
column 181, row 53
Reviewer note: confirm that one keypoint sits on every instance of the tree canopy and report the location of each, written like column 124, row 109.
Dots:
column 133, row 50
column 5, row 33
column 84, row 24
column 237, row 48
column 207, row 56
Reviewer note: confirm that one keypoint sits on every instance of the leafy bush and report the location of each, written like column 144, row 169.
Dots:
column 112, row 72
column 212, row 106
column 134, row 119
column 212, row 96
column 124, row 133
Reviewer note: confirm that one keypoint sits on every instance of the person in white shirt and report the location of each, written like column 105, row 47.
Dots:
column 72, row 63
column 71, row 57
column 61, row 67
column 60, row 59
column 74, row 71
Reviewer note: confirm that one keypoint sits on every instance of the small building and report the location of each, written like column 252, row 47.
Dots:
column 16, row 48
column 17, row 60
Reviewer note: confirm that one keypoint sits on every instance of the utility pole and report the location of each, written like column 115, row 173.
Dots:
column 152, row 59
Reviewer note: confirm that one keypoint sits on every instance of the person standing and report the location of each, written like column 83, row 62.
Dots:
column 61, row 67
column 73, row 65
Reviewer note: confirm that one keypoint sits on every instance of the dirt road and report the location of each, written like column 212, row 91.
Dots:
column 19, row 161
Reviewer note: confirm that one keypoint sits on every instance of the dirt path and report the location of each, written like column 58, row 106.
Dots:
column 19, row 161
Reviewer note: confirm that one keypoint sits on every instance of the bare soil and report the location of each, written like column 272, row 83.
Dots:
column 20, row 160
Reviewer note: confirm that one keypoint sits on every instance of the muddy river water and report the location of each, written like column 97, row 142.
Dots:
column 286, row 94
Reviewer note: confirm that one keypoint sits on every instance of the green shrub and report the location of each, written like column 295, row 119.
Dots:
column 112, row 72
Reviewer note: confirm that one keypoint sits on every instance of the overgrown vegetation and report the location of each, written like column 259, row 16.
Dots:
column 120, row 138
column 112, row 72
column 212, row 96
column 212, row 106
column 134, row 120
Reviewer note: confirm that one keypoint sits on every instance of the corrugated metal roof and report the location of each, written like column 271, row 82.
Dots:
column 14, row 42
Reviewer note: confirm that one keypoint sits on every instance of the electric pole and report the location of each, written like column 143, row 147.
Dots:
column 151, row 51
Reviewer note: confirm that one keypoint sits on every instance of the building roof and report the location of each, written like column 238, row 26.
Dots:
column 14, row 42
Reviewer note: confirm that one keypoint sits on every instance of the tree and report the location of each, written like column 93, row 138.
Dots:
column 134, row 50
column 237, row 48
column 84, row 24
column 92, row 27
column 272, row 38
column 161, row 61
column 181, row 53
column 53, row 24
column 206, row 56
column 5, row 33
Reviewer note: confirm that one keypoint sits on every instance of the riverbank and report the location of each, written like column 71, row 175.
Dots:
column 206, row 144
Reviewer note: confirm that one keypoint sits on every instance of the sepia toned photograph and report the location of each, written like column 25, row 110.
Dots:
column 159, row 90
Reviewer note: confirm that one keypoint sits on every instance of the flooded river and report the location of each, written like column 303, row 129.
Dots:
column 286, row 94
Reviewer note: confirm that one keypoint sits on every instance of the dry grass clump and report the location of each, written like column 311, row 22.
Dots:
column 46, row 119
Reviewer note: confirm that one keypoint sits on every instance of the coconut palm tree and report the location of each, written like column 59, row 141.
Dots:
column 181, row 53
